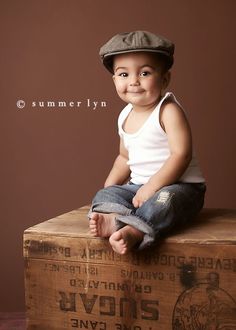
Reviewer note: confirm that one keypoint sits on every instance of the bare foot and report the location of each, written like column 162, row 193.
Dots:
column 125, row 238
column 102, row 224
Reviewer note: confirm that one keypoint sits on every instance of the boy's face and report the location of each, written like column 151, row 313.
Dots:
column 139, row 78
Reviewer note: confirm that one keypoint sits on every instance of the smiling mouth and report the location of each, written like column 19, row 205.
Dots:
column 135, row 92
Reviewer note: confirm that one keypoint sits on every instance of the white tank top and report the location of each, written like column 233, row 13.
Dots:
column 148, row 148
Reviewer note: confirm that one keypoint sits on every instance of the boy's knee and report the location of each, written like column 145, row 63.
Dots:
column 101, row 194
column 107, row 194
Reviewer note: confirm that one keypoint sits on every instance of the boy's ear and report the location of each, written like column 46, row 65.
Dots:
column 166, row 79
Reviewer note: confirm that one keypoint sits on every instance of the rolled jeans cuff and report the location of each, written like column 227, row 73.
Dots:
column 108, row 207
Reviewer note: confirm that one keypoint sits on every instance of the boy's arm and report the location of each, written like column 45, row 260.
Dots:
column 179, row 137
column 120, row 171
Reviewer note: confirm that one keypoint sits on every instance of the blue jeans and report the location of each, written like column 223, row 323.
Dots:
column 169, row 207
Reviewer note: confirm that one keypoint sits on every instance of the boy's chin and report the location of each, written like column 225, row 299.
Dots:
column 135, row 99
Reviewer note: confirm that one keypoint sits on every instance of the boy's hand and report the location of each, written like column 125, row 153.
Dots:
column 143, row 194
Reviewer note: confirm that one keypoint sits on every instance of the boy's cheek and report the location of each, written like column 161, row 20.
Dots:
column 118, row 84
column 120, row 89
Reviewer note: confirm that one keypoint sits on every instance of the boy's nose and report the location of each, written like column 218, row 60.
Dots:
column 134, row 81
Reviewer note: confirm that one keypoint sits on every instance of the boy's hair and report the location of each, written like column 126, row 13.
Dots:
column 138, row 41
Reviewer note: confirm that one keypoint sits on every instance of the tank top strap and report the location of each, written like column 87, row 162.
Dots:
column 166, row 96
column 156, row 111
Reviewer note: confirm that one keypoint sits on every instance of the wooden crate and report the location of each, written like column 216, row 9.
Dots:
column 187, row 281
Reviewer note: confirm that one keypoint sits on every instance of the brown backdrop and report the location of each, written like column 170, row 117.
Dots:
column 54, row 159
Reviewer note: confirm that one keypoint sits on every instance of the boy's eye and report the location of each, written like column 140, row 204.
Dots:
column 144, row 73
column 123, row 74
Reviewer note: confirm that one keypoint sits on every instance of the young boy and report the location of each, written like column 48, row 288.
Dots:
column 155, row 183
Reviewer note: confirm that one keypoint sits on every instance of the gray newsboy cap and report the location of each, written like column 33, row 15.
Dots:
column 136, row 41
